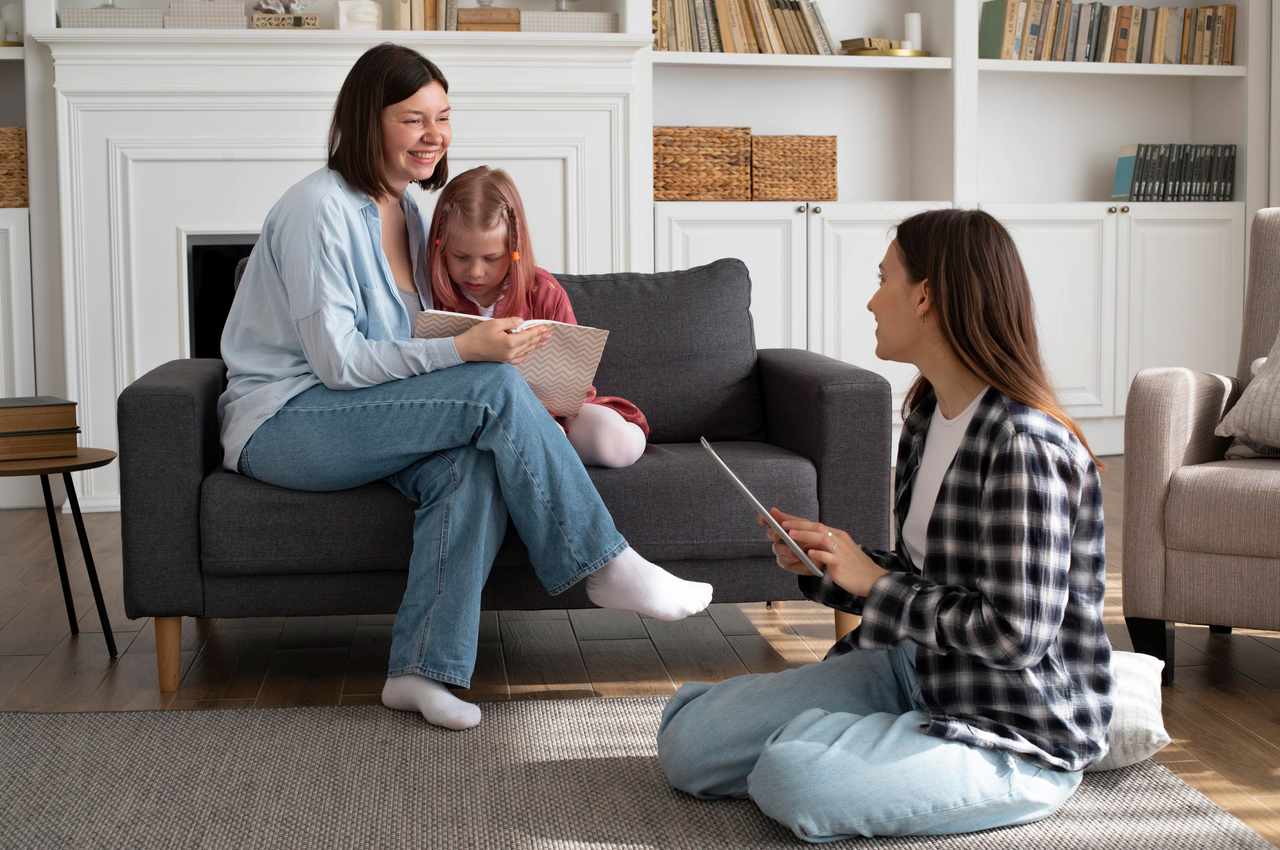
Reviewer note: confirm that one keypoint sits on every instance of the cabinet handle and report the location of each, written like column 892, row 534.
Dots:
column 1124, row 209
column 800, row 208
column 817, row 210
column 1111, row 210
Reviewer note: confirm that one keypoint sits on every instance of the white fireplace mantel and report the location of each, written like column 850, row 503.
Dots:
column 166, row 134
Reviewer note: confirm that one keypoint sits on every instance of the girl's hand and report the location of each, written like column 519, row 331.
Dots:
column 490, row 341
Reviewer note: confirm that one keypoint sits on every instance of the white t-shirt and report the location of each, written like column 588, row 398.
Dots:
column 487, row 312
column 941, row 443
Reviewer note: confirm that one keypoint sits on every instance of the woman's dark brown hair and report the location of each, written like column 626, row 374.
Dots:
column 983, row 301
column 385, row 74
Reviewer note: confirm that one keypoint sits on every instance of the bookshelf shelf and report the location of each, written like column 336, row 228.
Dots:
column 1015, row 66
column 12, row 53
column 772, row 60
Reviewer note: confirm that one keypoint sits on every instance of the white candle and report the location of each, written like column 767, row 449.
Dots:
column 911, row 30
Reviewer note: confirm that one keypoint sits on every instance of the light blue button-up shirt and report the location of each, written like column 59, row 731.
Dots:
column 318, row 305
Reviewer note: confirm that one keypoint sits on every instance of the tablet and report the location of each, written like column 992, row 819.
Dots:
column 773, row 523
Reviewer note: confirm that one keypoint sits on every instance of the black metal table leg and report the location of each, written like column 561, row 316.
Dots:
column 57, row 553
column 88, row 563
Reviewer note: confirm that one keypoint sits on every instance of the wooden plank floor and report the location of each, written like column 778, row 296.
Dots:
column 1223, row 713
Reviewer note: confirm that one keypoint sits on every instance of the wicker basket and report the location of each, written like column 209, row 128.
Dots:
column 13, row 167
column 701, row 163
column 793, row 168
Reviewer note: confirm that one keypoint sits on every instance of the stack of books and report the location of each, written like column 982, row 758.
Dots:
column 489, row 19
column 34, row 427
column 206, row 15
column 1073, row 31
column 742, row 26
column 1175, row 172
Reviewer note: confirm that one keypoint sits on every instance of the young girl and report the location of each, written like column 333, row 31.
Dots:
column 482, row 264
column 978, row 685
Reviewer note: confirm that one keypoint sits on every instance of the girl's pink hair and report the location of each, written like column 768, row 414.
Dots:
column 481, row 199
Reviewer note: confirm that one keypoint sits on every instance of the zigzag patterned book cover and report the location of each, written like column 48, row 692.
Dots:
column 560, row 372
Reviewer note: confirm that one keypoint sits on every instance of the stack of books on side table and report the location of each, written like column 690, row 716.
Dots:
column 34, row 427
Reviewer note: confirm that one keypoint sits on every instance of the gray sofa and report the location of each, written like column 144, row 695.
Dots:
column 806, row 432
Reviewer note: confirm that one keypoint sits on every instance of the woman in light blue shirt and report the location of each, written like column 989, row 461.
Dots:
column 327, row 390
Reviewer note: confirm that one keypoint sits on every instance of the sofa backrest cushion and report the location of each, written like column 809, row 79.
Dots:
column 681, row 346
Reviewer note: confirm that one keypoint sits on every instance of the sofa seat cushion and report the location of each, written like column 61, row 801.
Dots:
column 672, row 504
column 1226, row 507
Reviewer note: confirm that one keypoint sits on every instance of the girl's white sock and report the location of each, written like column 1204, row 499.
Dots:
column 431, row 699
column 630, row 583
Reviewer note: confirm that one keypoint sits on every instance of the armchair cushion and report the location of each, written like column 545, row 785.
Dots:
column 1255, row 418
column 1226, row 508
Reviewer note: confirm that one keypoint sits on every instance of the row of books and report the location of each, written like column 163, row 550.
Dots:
column 37, row 427
column 742, row 26
column 1174, row 172
column 1067, row 31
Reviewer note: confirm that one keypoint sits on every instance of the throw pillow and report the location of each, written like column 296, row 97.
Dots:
column 1137, row 727
column 1255, row 419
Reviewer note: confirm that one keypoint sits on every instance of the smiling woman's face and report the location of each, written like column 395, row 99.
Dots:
column 415, row 136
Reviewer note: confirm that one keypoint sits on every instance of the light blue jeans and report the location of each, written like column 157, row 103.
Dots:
column 835, row 749
column 469, row 444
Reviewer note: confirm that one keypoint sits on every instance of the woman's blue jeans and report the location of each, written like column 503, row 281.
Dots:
column 835, row 749
column 470, row 445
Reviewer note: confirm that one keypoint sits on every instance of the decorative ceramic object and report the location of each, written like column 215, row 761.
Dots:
column 359, row 15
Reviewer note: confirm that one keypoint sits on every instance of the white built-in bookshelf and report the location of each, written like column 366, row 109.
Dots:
column 1120, row 286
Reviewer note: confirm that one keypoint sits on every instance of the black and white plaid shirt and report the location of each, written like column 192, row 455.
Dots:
column 1007, row 610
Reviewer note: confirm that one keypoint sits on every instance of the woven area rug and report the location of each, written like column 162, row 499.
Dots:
column 535, row 774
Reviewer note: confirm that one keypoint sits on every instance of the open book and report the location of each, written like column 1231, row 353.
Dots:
column 560, row 372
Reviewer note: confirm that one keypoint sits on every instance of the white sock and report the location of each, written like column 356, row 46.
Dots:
column 432, row 699
column 601, row 437
column 630, row 583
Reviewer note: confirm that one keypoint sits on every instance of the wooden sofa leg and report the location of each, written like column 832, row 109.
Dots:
column 846, row 623
column 1153, row 637
column 169, row 651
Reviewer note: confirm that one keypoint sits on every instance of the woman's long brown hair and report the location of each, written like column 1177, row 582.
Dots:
column 979, row 288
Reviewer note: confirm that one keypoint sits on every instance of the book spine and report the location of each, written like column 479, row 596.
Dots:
column 756, row 13
column 1219, row 31
column 748, row 32
column 701, row 31
column 774, row 34
column 1073, row 28
column 1044, row 48
column 713, row 27
column 1009, row 37
column 815, row 31
column 724, row 20
column 36, row 446
column 822, row 25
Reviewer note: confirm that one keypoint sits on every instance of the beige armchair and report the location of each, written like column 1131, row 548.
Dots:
column 1202, row 534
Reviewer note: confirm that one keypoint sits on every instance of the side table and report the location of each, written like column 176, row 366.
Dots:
column 44, row 467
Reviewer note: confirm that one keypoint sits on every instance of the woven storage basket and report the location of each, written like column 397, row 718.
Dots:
column 702, row 163
column 13, row 167
column 793, row 168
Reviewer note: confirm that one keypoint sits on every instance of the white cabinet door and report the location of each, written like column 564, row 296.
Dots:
column 1185, row 298
column 1069, row 253
column 768, row 237
column 846, row 244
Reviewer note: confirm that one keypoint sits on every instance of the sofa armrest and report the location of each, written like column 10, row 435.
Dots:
column 839, row 417
column 169, row 442
column 1169, row 420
